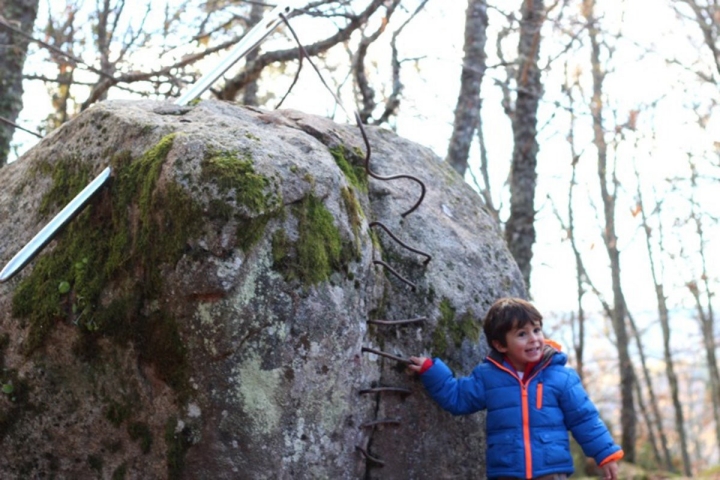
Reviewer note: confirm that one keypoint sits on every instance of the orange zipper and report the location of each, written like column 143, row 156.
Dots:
column 525, row 412
column 526, row 431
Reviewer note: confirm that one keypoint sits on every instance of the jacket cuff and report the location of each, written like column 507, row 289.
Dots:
column 613, row 458
column 426, row 365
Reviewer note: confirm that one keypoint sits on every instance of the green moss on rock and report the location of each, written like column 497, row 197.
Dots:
column 281, row 251
column 124, row 238
column 355, row 174
column 140, row 432
column 116, row 413
column 95, row 462
column 237, row 180
column 220, row 210
column 66, row 182
column 177, row 443
column 355, row 214
column 251, row 231
column 235, row 176
column 319, row 245
column 319, row 249
column 15, row 393
column 159, row 343
column 449, row 329
column 120, row 472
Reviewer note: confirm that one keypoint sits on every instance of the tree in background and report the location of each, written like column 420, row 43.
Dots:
column 607, row 179
column 467, row 110
column 664, row 317
column 703, row 294
column 250, row 93
column 705, row 15
column 19, row 14
column 520, row 226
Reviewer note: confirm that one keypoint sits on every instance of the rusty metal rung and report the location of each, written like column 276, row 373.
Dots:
column 386, row 355
column 392, row 270
column 394, row 177
column 397, row 322
column 401, row 391
column 370, row 457
column 383, row 421
column 408, row 247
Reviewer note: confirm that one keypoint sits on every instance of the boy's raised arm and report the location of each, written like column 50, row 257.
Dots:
column 459, row 396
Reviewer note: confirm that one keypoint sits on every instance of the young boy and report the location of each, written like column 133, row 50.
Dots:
column 532, row 400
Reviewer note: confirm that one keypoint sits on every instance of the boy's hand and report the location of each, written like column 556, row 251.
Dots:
column 610, row 471
column 417, row 364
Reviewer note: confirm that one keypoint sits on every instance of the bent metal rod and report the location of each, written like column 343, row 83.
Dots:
column 252, row 39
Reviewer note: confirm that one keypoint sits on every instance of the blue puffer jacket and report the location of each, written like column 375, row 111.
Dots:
column 527, row 421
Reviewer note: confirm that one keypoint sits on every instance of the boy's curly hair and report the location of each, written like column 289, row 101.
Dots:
column 506, row 314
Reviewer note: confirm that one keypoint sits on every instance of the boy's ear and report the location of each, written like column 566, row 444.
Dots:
column 497, row 345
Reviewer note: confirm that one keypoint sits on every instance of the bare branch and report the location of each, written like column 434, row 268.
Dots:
column 103, row 86
column 75, row 60
column 253, row 69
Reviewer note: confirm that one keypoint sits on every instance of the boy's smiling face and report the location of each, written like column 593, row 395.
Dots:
column 523, row 345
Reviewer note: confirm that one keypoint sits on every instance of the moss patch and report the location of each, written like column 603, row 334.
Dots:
column 449, row 329
column 469, row 327
column 120, row 472
column 95, row 462
column 355, row 174
column 121, row 412
column 236, row 178
column 251, row 231
column 14, row 393
column 319, row 244
column 159, row 343
column 116, row 413
column 123, row 238
column 281, row 251
column 354, row 212
column 238, row 182
column 140, row 432
column 319, row 249
column 177, row 444
column 64, row 186
column 220, row 210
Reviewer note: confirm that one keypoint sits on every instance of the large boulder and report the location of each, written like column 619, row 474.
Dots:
column 205, row 316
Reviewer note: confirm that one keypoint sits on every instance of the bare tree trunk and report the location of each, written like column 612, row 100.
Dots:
column 485, row 190
column 467, row 111
column 706, row 314
column 648, row 424
column 653, row 401
column 578, row 326
column 105, row 32
column 579, row 338
column 628, row 419
column 250, row 92
column 669, row 363
column 366, row 93
column 520, row 226
column 13, row 50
